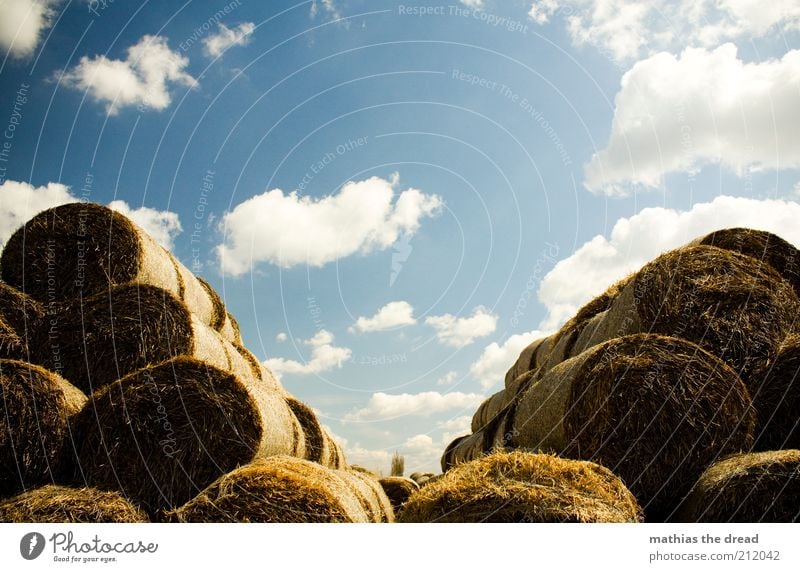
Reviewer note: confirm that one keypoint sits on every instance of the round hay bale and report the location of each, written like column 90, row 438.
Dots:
column 58, row 504
column 397, row 490
column 320, row 448
column 764, row 246
column 752, row 487
column 332, row 453
column 523, row 487
column 530, row 358
column 447, row 457
column 80, row 249
column 420, row 478
column 655, row 410
column 776, row 398
column 369, row 492
column 35, row 439
column 276, row 490
column 11, row 346
column 163, row 433
column 19, row 310
column 125, row 329
column 488, row 409
column 727, row 303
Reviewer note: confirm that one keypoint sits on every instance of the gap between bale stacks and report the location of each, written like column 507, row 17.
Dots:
column 655, row 410
column 59, row 504
column 127, row 328
column 398, row 490
column 276, row 490
column 753, row 487
column 727, row 303
column 80, row 249
column 35, row 439
column 163, row 433
column 523, row 487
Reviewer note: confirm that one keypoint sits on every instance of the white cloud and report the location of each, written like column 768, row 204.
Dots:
column 328, row 5
column 460, row 332
column 542, row 10
column 324, row 357
column 625, row 30
column 490, row 368
column 22, row 23
column 20, row 201
column 460, row 425
column 677, row 113
column 142, row 79
column 447, row 379
column 225, row 37
column 281, row 337
column 392, row 315
column 477, row 4
column 384, row 406
column 362, row 217
column 636, row 240
column 163, row 226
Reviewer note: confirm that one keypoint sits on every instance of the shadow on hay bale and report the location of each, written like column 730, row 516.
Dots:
column 753, row 487
column 11, row 346
column 129, row 327
column 81, row 249
column 727, row 303
column 35, row 437
column 54, row 504
column 18, row 310
column 320, row 447
column 276, row 490
column 776, row 398
column 398, row 489
column 163, row 433
column 523, row 487
column 764, row 246
column 532, row 357
column 655, row 410
column 488, row 410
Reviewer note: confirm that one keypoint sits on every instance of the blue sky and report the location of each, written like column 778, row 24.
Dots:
column 395, row 198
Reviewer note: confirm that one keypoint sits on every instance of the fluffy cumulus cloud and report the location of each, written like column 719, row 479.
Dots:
column 143, row 78
column 287, row 229
column 490, row 368
column 625, row 30
column 215, row 44
column 447, row 379
column 327, row 6
column 385, row 406
column 163, row 226
column 477, row 4
column 324, row 357
column 392, row 315
column 460, row 332
column 22, row 23
column 20, row 201
column 677, row 113
column 636, row 240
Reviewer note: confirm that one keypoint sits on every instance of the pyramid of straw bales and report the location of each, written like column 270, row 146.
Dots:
column 523, row 487
column 733, row 293
column 175, row 400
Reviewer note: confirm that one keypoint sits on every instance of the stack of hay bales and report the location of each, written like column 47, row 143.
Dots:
column 689, row 360
column 175, row 402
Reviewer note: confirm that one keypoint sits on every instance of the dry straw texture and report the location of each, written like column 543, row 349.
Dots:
column 532, row 357
column 776, row 397
column 489, row 409
column 398, row 489
column 19, row 310
column 10, row 343
column 320, row 447
column 655, row 410
column 764, row 246
column 54, row 504
column 727, row 303
column 278, row 489
column 110, row 335
column 753, row 487
column 83, row 248
column 523, row 487
column 162, row 434
column 35, row 442
column 370, row 494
